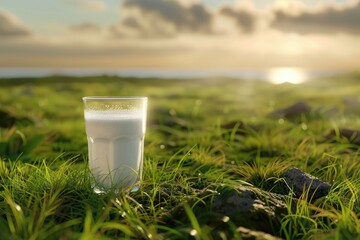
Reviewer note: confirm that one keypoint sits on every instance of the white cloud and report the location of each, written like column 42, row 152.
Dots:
column 11, row 26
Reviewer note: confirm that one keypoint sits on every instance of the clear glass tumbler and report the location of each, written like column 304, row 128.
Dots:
column 115, row 129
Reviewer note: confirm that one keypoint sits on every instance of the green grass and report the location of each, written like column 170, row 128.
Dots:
column 45, row 189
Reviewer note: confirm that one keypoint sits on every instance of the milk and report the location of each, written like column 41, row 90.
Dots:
column 116, row 143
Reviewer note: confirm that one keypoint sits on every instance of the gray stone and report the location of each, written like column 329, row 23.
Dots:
column 301, row 182
column 247, row 207
column 352, row 106
column 8, row 119
column 353, row 136
column 297, row 110
column 249, row 234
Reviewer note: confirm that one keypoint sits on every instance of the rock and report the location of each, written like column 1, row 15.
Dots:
column 247, row 207
column 301, row 182
column 353, row 136
column 326, row 111
column 6, row 119
column 248, row 234
column 28, row 92
column 352, row 106
column 352, row 101
column 294, row 111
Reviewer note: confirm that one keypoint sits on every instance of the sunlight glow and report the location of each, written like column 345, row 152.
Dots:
column 286, row 75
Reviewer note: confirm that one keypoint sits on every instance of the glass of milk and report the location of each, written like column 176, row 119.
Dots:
column 115, row 129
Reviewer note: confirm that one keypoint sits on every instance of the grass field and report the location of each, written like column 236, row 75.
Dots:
column 204, row 137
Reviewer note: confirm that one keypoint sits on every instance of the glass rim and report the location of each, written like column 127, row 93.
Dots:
column 105, row 98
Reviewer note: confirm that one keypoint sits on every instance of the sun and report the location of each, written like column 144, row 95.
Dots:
column 286, row 75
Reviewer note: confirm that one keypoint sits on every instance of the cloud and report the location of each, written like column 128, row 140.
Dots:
column 328, row 19
column 244, row 19
column 132, row 22
column 87, row 27
column 164, row 18
column 11, row 26
column 133, row 26
column 92, row 5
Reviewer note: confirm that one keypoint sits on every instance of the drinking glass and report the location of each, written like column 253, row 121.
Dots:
column 115, row 129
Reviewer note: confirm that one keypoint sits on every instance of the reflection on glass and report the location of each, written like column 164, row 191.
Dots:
column 286, row 75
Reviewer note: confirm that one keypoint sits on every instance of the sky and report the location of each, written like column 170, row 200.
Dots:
column 180, row 34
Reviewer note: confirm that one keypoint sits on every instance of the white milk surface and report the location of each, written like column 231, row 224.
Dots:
column 116, row 143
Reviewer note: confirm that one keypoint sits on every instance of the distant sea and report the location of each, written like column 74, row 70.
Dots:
column 158, row 73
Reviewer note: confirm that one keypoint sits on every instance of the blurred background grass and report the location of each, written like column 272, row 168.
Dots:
column 52, row 107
